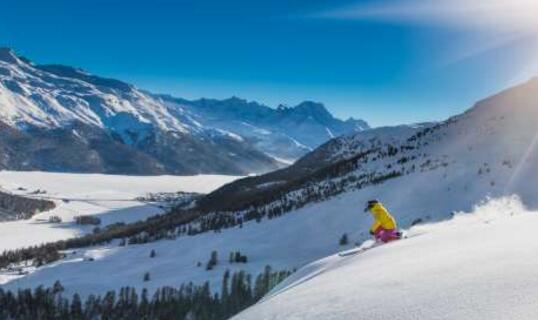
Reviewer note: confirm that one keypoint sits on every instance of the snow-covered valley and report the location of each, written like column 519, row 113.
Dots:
column 109, row 197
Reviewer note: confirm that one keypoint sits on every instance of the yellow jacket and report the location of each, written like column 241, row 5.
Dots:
column 382, row 218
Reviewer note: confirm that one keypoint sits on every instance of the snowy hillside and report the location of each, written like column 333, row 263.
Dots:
column 349, row 146
column 476, row 266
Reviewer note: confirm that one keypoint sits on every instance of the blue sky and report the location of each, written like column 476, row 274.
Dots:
column 387, row 61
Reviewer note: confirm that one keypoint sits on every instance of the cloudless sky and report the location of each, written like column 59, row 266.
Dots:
column 366, row 59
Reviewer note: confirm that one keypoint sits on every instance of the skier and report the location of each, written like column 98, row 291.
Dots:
column 384, row 228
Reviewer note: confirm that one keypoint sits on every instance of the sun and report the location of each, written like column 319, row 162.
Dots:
column 512, row 15
column 506, row 16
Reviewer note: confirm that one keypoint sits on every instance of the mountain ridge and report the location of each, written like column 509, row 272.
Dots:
column 286, row 132
column 50, row 99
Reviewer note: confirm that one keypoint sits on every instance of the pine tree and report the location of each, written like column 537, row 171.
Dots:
column 57, row 287
column 237, row 256
column 344, row 241
column 143, row 308
column 76, row 307
column 225, row 294
column 213, row 260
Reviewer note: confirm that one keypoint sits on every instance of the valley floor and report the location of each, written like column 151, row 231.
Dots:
column 109, row 197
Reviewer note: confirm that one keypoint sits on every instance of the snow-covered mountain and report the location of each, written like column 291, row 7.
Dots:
column 59, row 118
column 286, row 132
column 295, row 216
column 488, row 150
column 63, row 119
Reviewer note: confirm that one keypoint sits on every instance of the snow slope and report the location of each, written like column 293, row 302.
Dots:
column 111, row 198
column 348, row 146
column 288, row 242
column 475, row 266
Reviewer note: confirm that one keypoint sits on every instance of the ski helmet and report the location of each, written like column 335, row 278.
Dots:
column 370, row 204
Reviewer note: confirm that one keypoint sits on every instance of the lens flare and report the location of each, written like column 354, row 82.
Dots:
column 487, row 15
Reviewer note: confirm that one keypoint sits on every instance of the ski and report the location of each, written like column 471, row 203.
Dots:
column 370, row 244
column 351, row 252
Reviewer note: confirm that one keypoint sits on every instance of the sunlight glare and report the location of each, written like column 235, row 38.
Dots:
column 488, row 15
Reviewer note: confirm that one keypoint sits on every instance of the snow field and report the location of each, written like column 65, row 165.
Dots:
column 479, row 266
column 109, row 197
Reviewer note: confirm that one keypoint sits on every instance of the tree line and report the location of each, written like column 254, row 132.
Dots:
column 19, row 207
column 189, row 301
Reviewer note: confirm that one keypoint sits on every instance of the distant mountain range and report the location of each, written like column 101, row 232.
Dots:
column 60, row 118
column 286, row 133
